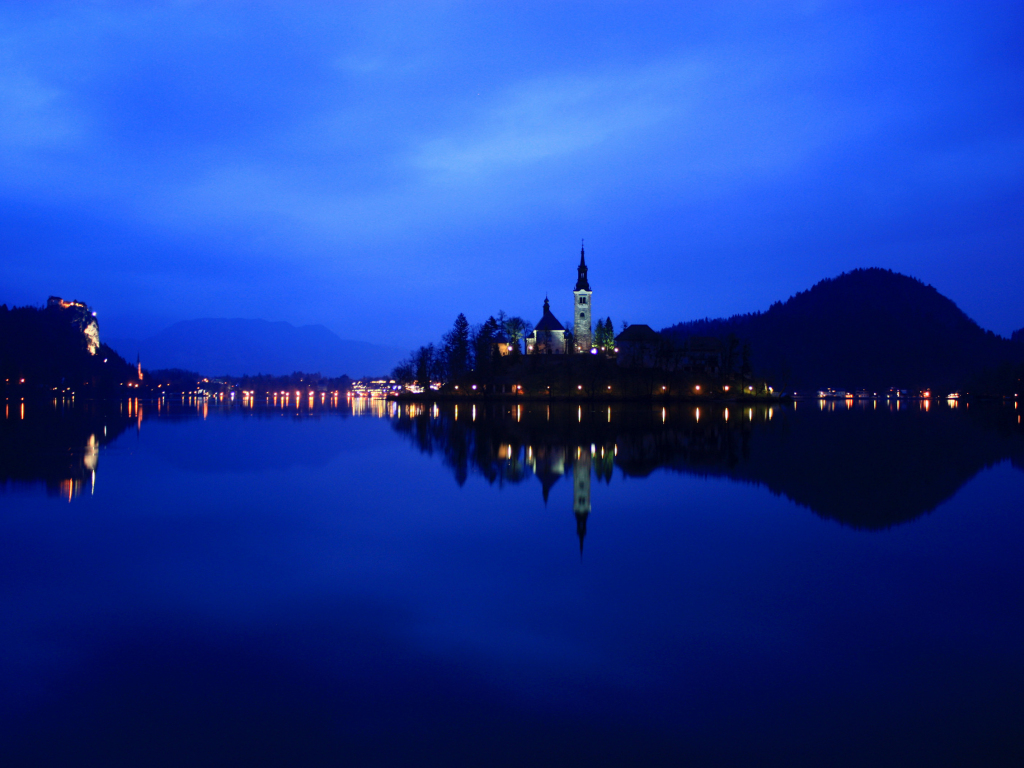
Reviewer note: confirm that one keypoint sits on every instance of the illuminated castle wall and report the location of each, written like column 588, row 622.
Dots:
column 82, row 318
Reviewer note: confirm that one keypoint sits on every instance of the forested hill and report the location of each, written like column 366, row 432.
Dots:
column 869, row 328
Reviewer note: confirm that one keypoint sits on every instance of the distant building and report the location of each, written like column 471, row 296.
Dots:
column 581, row 307
column 703, row 354
column 638, row 346
column 501, row 343
column 548, row 336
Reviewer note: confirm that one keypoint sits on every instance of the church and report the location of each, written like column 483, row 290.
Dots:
column 550, row 337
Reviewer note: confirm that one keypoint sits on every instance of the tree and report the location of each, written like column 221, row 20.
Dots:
column 403, row 373
column 604, row 336
column 456, row 349
column 515, row 328
column 483, row 344
column 423, row 360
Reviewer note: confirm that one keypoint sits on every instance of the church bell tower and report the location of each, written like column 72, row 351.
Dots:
column 581, row 308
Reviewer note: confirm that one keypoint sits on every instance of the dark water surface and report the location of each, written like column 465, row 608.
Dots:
column 212, row 585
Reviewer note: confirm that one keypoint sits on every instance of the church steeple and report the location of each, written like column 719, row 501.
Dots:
column 581, row 307
column 582, row 284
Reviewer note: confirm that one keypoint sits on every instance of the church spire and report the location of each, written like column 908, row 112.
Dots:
column 582, row 284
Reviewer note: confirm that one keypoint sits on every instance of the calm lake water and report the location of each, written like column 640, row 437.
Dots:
column 493, row 584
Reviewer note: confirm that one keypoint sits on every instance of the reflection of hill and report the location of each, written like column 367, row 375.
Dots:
column 57, row 444
column 867, row 466
column 872, row 469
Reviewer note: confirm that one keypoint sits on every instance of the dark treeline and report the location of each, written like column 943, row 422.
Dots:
column 867, row 468
column 466, row 349
column 489, row 359
column 871, row 329
column 178, row 380
column 48, row 348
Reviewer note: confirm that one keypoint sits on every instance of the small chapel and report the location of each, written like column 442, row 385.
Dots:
column 550, row 337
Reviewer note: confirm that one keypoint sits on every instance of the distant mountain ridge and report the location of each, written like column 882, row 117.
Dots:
column 234, row 347
column 869, row 328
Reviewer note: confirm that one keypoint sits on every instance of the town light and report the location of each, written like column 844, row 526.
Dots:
column 697, row 387
column 725, row 388
column 579, row 386
column 593, row 351
column 474, row 386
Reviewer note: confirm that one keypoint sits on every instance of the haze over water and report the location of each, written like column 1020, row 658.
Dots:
column 368, row 583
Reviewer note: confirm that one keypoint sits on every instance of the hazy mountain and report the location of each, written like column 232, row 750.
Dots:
column 870, row 328
column 236, row 347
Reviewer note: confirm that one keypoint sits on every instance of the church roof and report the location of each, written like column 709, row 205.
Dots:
column 548, row 322
column 638, row 332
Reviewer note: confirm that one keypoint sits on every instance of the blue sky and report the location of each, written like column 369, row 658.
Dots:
column 380, row 168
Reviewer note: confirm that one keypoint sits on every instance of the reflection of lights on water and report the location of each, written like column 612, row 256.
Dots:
column 474, row 411
column 615, row 450
column 609, row 414
column 697, row 414
column 579, row 414
column 92, row 451
column 519, row 412
column 769, row 414
column 456, row 411
column 750, row 414
column 726, row 414
column 662, row 415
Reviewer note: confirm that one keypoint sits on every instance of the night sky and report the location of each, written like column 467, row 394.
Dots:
column 379, row 169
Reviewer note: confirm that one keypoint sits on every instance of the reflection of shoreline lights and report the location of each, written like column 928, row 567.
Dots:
column 727, row 414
